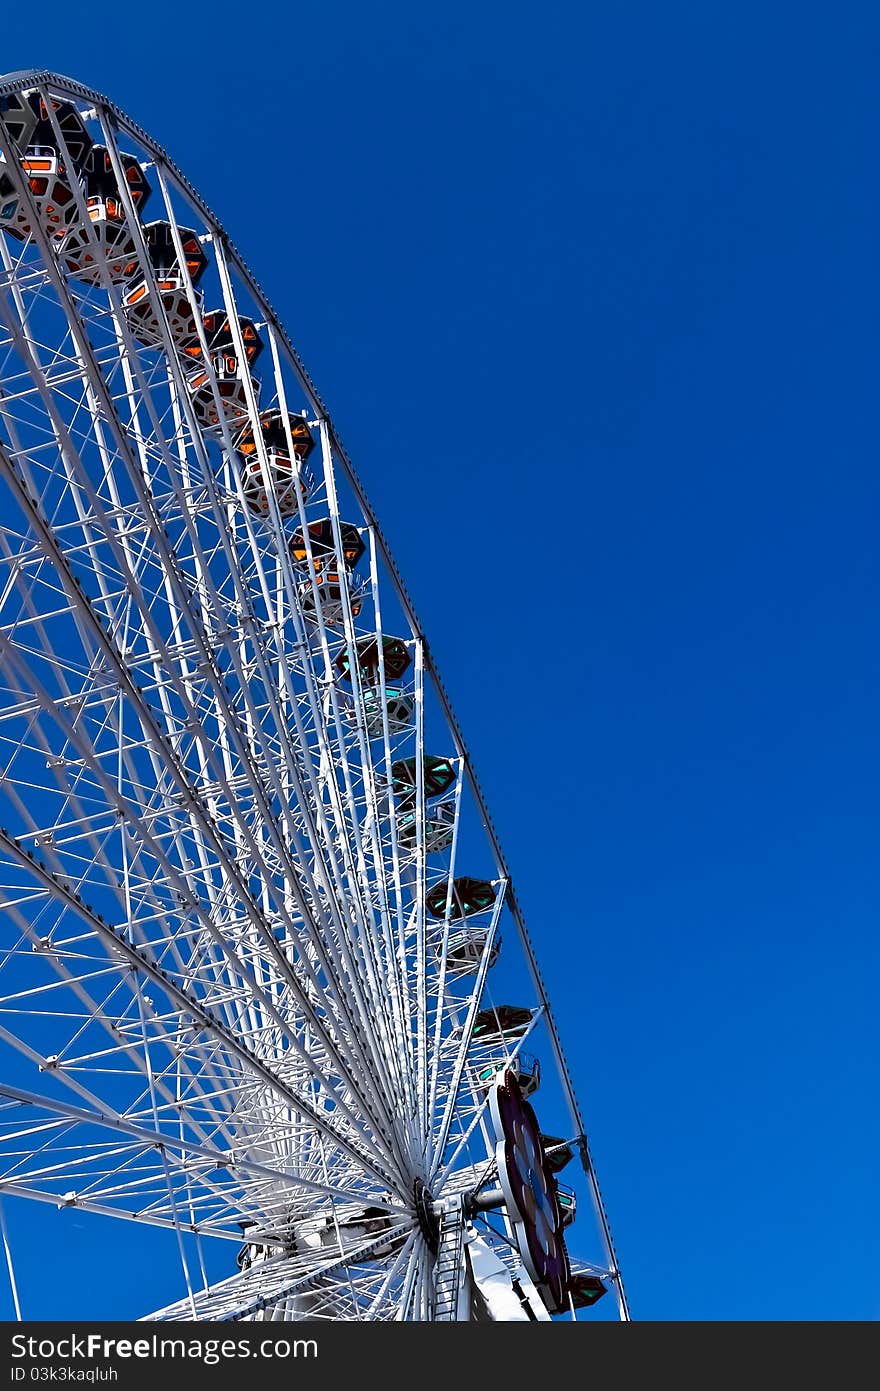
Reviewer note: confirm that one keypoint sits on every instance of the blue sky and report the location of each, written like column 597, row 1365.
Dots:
column 591, row 294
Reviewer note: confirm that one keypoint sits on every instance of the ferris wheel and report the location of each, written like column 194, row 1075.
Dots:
column 265, row 985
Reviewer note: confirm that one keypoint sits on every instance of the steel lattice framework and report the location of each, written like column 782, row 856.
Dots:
column 250, row 987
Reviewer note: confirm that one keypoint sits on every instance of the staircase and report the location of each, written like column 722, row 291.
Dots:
column 449, row 1266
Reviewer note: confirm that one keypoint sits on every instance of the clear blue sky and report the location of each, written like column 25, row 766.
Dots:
column 610, row 273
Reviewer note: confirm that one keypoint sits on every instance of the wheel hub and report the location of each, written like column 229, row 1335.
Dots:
column 429, row 1223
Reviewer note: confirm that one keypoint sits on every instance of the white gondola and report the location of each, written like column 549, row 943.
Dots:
column 229, row 384
column 325, row 592
column 465, row 949
column 101, row 245
column 525, row 1067
column 438, row 827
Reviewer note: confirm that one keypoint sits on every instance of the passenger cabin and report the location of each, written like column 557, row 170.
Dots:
column 77, row 141
column 585, row 1289
column 105, row 245
column 469, row 896
column 320, row 539
column 465, row 948
column 501, row 1024
column 20, row 118
column 368, row 1224
column 252, row 1251
column 398, row 711
column 220, row 338
column 159, row 239
column 50, row 167
column 231, row 390
column 168, row 284
column 8, row 199
column 438, row 776
column 393, row 656
column 567, row 1200
column 140, row 312
column 287, row 444
column 355, row 1227
column 557, row 1152
column 52, row 195
column 525, row 1068
column 231, row 378
column 325, row 592
column 438, row 827
column 100, row 183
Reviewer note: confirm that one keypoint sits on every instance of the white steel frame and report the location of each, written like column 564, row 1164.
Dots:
column 257, row 1028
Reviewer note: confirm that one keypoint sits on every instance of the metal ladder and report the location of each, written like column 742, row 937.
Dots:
column 448, row 1266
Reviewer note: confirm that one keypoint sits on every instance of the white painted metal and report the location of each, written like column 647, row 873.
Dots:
column 216, row 953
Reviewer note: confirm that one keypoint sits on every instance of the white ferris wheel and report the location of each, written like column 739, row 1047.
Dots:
column 264, row 981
